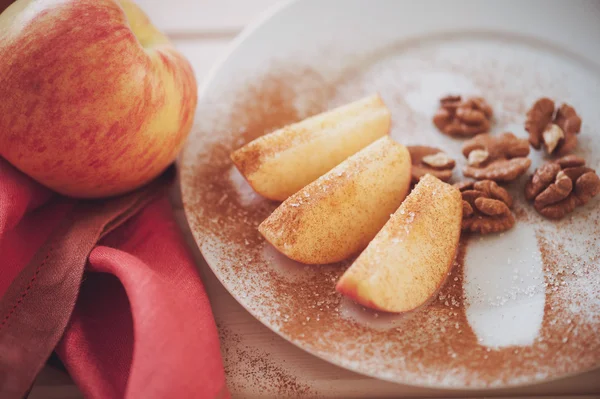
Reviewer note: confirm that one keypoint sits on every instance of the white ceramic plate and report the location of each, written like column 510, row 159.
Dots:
column 520, row 307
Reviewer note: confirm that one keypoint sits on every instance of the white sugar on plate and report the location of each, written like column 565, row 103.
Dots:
column 433, row 85
column 246, row 195
column 282, row 265
column 501, row 309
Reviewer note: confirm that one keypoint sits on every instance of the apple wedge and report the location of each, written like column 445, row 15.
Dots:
column 338, row 214
column 411, row 256
column 280, row 163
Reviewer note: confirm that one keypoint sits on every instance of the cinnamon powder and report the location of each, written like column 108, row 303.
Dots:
column 255, row 370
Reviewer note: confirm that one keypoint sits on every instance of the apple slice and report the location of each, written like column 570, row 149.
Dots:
column 338, row 214
column 411, row 256
column 280, row 163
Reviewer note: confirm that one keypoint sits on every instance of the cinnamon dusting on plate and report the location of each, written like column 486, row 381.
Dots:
column 432, row 345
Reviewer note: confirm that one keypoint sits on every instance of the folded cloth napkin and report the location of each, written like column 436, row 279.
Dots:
column 110, row 286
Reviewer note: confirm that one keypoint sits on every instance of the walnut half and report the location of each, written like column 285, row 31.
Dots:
column 502, row 158
column 558, row 187
column 430, row 160
column 486, row 207
column 464, row 118
column 557, row 129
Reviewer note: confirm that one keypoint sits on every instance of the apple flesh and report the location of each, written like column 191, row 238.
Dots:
column 338, row 214
column 95, row 101
column 410, row 258
column 282, row 162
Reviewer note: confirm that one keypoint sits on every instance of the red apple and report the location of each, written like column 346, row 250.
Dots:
column 94, row 100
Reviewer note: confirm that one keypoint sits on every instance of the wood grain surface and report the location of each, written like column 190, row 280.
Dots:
column 258, row 362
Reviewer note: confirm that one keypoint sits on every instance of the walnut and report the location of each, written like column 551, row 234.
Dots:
column 486, row 207
column 463, row 118
column 502, row 158
column 556, row 129
column 430, row 160
column 558, row 187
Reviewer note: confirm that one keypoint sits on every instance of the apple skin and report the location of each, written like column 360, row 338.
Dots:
column 95, row 101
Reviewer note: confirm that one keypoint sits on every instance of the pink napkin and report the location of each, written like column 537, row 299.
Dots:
column 111, row 286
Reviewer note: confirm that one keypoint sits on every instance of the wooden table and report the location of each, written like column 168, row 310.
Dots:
column 258, row 362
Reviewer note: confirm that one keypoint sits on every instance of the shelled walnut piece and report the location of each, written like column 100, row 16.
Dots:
column 502, row 158
column 430, row 160
column 466, row 118
column 486, row 207
column 557, row 129
column 558, row 187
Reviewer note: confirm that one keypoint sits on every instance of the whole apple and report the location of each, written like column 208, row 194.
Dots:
column 94, row 100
